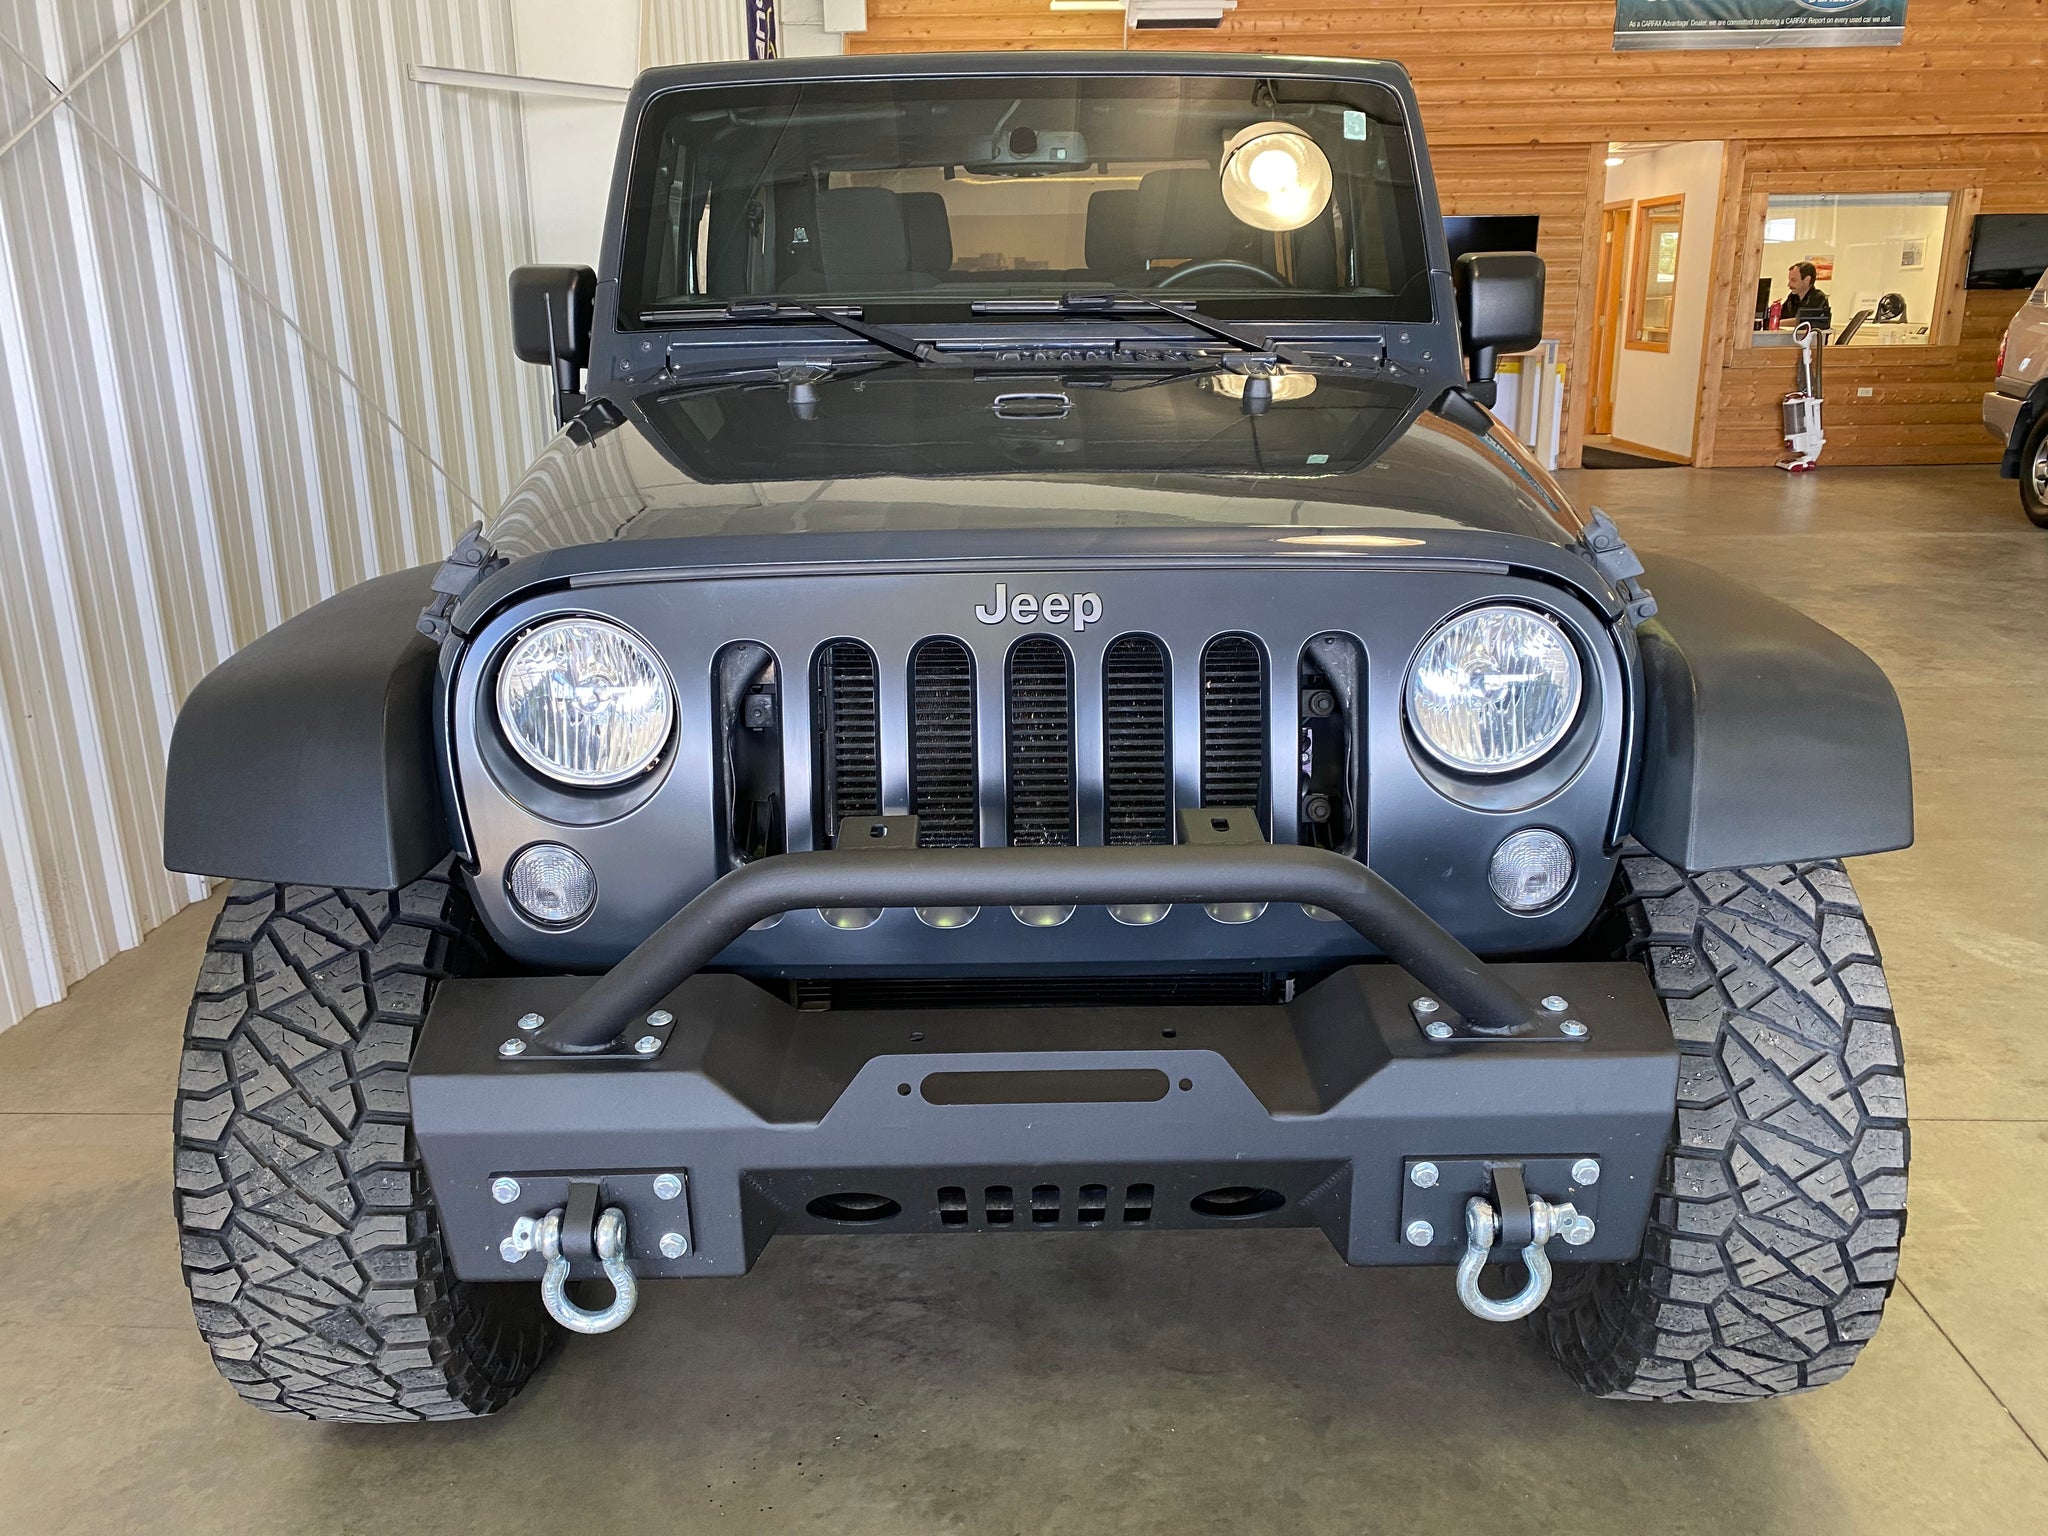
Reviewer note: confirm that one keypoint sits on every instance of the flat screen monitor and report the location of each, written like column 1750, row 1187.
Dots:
column 2008, row 250
column 1763, row 296
column 1490, row 232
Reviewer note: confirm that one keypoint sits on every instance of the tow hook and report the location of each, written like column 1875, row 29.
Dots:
column 1529, row 1222
column 605, row 1238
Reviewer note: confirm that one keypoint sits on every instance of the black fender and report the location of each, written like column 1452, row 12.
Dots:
column 308, row 756
column 1768, row 738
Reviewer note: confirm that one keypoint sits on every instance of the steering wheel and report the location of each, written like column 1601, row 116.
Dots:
column 1260, row 277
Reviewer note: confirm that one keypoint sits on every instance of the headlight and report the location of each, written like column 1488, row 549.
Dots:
column 585, row 702
column 1493, row 689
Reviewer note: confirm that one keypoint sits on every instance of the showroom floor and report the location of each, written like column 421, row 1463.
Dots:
column 1165, row 1383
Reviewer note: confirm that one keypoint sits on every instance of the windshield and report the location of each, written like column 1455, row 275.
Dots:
column 1281, row 197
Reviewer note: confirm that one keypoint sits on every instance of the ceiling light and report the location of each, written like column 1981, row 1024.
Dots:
column 1613, row 160
column 1275, row 177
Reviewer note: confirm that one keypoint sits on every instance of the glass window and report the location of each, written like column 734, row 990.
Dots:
column 1653, row 281
column 1876, row 259
column 1263, row 193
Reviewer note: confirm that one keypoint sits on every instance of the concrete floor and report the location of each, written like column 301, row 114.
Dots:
column 1166, row 1383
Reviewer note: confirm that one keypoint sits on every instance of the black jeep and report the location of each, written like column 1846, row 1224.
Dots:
column 1029, row 694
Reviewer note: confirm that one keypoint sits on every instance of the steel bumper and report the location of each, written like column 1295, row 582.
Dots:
column 770, row 1120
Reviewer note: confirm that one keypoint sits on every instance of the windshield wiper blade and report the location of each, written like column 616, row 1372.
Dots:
column 1106, row 301
column 887, row 337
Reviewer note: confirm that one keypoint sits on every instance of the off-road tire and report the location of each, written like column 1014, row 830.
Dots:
column 1774, row 1237
column 2033, row 457
column 310, row 1241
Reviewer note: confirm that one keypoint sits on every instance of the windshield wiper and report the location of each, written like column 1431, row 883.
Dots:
column 887, row 337
column 1107, row 301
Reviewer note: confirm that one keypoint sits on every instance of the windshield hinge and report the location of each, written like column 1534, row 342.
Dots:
column 468, row 563
column 1613, row 558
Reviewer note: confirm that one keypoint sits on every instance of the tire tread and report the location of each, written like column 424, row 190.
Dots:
column 1775, row 1231
column 309, row 1239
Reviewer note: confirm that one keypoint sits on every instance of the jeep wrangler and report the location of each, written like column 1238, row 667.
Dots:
column 1031, row 694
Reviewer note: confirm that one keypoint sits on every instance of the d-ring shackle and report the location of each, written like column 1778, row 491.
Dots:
column 611, row 1251
column 1482, row 1227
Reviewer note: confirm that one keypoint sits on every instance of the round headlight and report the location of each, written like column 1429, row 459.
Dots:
column 585, row 702
column 1494, row 689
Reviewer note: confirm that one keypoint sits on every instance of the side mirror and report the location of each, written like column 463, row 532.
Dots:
column 551, row 325
column 1500, row 309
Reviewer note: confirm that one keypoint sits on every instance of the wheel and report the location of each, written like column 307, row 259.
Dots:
column 1774, row 1236
column 310, row 1241
column 2034, row 473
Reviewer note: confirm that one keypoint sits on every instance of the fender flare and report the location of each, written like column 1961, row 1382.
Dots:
column 1768, row 738
column 308, row 757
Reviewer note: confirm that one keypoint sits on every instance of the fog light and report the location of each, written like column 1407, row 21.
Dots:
column 1531, row 869
column 552, row 884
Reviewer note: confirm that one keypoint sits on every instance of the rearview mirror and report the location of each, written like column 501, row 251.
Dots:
column 1500, row 309
column 551, row 325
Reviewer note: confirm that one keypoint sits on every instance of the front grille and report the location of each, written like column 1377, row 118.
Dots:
column 944, row 791
column 958, row 731
column 1137, row 751
column 1040, row 696
column 849, row 736
column 1234, row 724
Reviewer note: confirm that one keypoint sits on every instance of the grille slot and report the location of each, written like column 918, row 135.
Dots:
column 1137, row 787
column 1234, row 724
column 943, row 788
column 848, row 736
column 1040, row 697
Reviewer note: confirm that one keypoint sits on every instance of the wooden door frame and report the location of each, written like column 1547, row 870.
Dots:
column 1610, row 300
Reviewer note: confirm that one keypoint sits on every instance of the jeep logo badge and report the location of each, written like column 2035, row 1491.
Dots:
column 1083, row 608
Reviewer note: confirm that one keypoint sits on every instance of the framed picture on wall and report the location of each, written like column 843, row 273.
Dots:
column 1913, row 253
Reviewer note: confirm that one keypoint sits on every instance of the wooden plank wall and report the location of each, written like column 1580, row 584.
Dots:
column 1519, row 99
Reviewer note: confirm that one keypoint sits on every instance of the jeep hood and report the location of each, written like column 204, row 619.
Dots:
column 990, row 465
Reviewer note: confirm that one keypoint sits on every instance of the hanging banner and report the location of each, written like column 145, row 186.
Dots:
column 761, row 29
column 1758, row 24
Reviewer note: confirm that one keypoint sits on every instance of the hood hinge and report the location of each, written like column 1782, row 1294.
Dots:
column 468, row 563
column 1613, row 559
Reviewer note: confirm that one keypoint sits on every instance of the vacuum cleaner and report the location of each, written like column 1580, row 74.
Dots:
column 1803, row 437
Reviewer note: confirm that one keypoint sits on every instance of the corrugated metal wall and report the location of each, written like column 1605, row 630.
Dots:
column 692, row 31
column 251, row 352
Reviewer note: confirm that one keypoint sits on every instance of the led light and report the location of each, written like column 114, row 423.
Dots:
column 1493, row 690
column 1234, row 912
column 1275, row 177
column 1041, row 917
column 1530, row 870
column 947, row 917
column 552, row 884
column 585, row 702
column 1141, row 914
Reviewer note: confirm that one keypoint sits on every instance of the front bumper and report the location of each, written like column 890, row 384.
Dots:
column 768, row 1119
column 2001, row 411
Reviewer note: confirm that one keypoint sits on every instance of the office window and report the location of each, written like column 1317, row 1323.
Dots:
column 1877, row 257
column 1653, row 281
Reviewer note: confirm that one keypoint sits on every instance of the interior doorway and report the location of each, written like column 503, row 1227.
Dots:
column 1610, row 295
column 1652, row 289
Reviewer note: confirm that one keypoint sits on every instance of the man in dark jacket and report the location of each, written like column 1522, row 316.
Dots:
column 1804, row 302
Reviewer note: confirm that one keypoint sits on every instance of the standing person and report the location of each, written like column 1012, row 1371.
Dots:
column 1804, row 302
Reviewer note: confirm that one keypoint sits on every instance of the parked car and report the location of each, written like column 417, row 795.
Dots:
column 1030, row 694
column 2016, row 409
